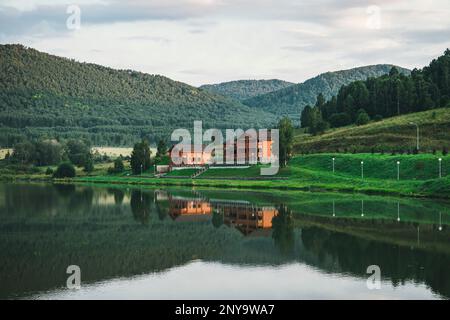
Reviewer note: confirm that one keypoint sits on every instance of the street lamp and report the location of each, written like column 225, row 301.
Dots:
column 141, row 169
column 415, row 124
column 362, row 170
column 334, row 159
column 334, row 209
column 362, row 208
column 440, row 167
column 398, row 170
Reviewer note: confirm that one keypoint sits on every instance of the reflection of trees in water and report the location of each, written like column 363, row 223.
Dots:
column 37, row 200
column 217, row 219
column 64, row 190
column 76, row 199
column 141, row 203
column 283, row 230
column 397, row 263
column 161, row 211
column 118, row 194
column 81, row 200
column 30, row 200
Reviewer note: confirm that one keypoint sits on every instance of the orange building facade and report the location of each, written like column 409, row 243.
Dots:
column 240, row 152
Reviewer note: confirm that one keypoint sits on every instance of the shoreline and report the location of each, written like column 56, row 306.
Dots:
column 248, row 185
column 310, row 173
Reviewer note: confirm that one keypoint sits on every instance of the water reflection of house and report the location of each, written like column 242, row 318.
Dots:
column 247, row 218
column 185, row 209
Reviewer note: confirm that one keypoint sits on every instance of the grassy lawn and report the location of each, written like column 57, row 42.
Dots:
column 182, row 173
column 314, row 172
column 251, row 172
column 412, row 167
column 390, row 134
column 418, row 175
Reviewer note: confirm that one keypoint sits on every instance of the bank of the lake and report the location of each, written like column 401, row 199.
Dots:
column 403, row 175
column 414, row 176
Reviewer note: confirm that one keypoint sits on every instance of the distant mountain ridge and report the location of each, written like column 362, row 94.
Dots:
column 46, row 95
column 42, row 95
column 245, row 89
column 290, row 101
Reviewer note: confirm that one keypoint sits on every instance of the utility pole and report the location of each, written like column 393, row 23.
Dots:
column 415, row 124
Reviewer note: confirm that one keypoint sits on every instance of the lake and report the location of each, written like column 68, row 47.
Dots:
column 183, row 243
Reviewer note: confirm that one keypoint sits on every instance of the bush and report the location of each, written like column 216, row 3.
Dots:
column 118, row 166
column 78, row 151
column 339, row 120
column 377, row 118
column 362, row 119
column 65, row 170
column 49, row 171
column 88, row 165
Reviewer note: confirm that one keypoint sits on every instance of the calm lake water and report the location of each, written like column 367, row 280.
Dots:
column 180, row 243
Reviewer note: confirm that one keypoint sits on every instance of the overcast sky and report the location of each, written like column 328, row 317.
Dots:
column 209, row 41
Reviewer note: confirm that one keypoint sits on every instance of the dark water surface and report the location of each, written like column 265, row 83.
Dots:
column 166, row 243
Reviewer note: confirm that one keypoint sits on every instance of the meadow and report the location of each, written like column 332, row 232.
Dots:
column 419, row 175
column 4, row 152
column 392, row 134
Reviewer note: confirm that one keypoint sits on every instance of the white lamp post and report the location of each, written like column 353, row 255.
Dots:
column 415, row 124
column 440, row 167
column 334, row 209
column 362, row 208
column 398, row 170
column 362, row 170
column 141, row 169
column 334, row 159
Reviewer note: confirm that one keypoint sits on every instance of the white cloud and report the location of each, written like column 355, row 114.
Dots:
column 203, row 41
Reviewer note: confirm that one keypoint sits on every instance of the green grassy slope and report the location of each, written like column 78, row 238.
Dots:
column 412, row 167
column 182, row 173
column 390, row 134
column 418, row 176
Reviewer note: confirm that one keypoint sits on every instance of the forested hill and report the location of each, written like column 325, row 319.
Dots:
column 44, row 95
column 383, row 97
column 291, row 100
column 245, row 89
